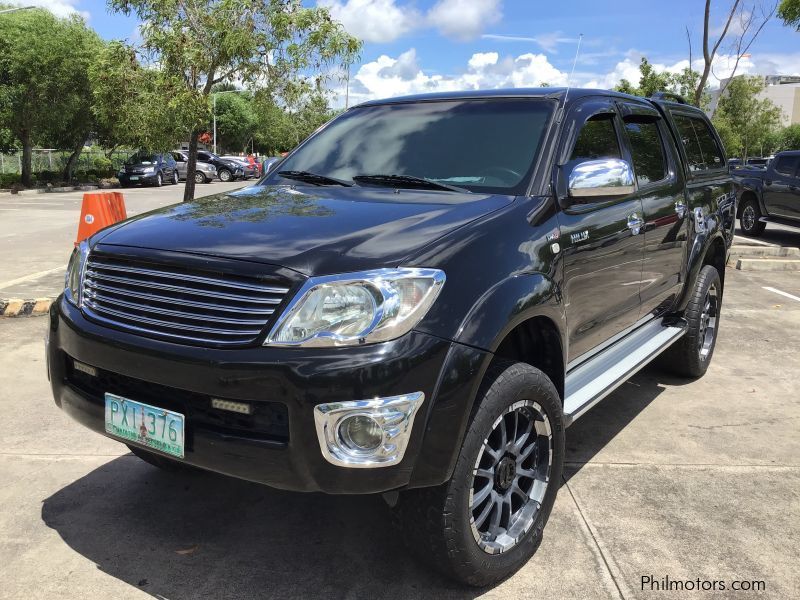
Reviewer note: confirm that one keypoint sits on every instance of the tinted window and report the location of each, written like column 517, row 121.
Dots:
column 480, row 145
column 702, row 151
column 786, row 165
column 647, row 150
column 597, row 139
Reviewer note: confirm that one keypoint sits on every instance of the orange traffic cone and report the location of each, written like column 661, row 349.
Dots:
column 99, row 210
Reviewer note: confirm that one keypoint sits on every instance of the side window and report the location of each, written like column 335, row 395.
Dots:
column 786, row 165
column 702, row 151
column 647, row 149
column 202, row 156
column 597, row 139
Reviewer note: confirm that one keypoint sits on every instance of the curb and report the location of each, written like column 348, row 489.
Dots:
column 15, row 307
column 63, row 189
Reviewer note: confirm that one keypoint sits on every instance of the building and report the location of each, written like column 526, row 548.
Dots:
column 782, row 90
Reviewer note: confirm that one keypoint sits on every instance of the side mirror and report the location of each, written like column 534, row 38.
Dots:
column 597, row 178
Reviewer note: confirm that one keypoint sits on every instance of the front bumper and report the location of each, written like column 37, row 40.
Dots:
column 128, row 178
column 279, row 447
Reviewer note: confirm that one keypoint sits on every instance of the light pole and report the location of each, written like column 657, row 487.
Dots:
column 214, row 110
column 10, row 10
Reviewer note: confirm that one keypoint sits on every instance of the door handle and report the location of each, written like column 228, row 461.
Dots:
column 768, row 182
column 635, row 223
column 680, row 208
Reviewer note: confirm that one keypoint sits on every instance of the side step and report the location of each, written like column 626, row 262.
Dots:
column 781, row 221
column 590, row 382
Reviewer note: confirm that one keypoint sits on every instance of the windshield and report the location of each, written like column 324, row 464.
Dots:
column 481, row 145
column 143, row 158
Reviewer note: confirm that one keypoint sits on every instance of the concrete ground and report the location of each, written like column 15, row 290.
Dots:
column 665, row 478
column 38, row 232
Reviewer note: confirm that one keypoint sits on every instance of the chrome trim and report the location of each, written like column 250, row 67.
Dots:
column 635, row 223
column 173, row 313
column 194, row 278
column 680, row 208
column 603, row 177
column 375, row 279
column 394, row 414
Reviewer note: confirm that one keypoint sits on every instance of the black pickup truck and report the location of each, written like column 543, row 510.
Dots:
column 770, row 194
column 418, row 302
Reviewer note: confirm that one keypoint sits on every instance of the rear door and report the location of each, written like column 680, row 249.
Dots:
column 781, row 194
column 660, row 184
column 602, row 245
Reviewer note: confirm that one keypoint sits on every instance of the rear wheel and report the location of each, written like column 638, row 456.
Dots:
column 749, row 218
column 487, row 520
column 691, row 355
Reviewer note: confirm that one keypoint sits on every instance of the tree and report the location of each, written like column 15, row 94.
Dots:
column 277, row 44
column 652, row 81
column 790, row 137
column 235, row 120
column 746, row 118
column 747, row 20
column 789, row 12
column 45, row 93
column 136, row 106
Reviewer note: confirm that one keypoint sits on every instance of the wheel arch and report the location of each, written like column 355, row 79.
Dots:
column 745, row 195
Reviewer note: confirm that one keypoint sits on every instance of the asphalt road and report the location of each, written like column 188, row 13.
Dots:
column 664, row 478
column 37, row 232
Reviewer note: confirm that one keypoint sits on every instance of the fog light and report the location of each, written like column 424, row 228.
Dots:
column 366, row 433
column 360, row 433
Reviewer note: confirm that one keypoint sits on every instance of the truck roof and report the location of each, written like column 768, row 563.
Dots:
column 550, row 92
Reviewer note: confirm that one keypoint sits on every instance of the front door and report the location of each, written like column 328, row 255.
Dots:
column 601, row 242
column 782, row 188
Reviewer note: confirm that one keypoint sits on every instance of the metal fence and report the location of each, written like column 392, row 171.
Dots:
column 44, row 159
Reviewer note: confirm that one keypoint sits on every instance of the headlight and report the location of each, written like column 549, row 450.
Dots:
column 357, row 308
column 74, row 277
column 149, row 170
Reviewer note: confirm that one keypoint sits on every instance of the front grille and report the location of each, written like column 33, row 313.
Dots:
column 178, row 304
column 268, row 422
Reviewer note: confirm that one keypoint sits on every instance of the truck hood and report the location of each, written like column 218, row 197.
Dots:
column 314, row 231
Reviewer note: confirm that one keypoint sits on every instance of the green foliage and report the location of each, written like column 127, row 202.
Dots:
column 236, row 121
column 9, row 179
column 281, row 128
column 45, row 94
column 652, row 81
column 747, row 121
column 101, row 163
column 789, row 137
column 789, row 11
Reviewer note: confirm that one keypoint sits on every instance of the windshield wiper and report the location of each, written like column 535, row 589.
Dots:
column 313, row 178
column 407, row 181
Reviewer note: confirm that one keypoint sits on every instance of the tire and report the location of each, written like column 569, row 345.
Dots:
column 225, row 175
column 691, row 355
column 749, row 218
column 175, row 178
column 200, row 178
column 437, row 522
column 159, row 180
column 159, row 461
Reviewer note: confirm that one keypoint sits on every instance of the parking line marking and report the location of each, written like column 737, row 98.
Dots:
column 788, row 295
column 6, row 284
column 753, row 241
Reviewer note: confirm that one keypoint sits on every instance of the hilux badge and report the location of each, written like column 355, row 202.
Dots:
column 581, row 236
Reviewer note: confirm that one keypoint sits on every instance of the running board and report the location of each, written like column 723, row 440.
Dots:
column 595, row 379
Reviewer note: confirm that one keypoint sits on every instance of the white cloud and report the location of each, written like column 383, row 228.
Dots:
column 373, row 20
column 464, row 19
column 60, row 8
column 548, row 42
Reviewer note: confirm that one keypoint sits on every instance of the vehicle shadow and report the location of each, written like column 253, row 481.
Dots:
column 201, row 535
column 774, row 235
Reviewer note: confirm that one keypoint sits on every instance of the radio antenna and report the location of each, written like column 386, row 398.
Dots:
column 571, row 73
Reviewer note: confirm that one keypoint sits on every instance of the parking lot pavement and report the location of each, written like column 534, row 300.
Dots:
column 665, row 478
column 38, row 232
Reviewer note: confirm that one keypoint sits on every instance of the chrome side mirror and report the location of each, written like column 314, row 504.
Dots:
column 603, row 177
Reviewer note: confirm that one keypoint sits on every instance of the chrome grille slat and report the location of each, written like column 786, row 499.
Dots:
column 179, row 304
column 165, row 299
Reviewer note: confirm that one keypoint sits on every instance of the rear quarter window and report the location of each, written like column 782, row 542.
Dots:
column 701, row 148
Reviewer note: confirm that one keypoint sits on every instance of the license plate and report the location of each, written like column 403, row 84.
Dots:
column 134, row 178
column 146, row 425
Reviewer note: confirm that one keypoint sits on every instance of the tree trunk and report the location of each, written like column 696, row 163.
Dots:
column 69, row 168
column 191, row 167
column 27, row 155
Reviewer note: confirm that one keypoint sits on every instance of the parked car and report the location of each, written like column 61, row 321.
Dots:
column 227, row 170
column 204, row 172
column 417, row 302
column 769, row 195
column 757, row 162
column 269, row 163
column 249, row 169
column 148, row 168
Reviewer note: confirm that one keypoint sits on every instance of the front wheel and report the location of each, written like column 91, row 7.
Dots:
column 175, row 178
column 749, row 218
column 225, row 175
column 159, row 180
column 199, row 177
column 487, row 520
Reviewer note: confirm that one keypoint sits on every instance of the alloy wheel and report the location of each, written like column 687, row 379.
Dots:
column 199, row 178
column 748, row 218
column 510, row 477
column 708, row 321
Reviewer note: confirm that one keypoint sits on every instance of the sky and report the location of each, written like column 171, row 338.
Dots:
column 413, row 46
